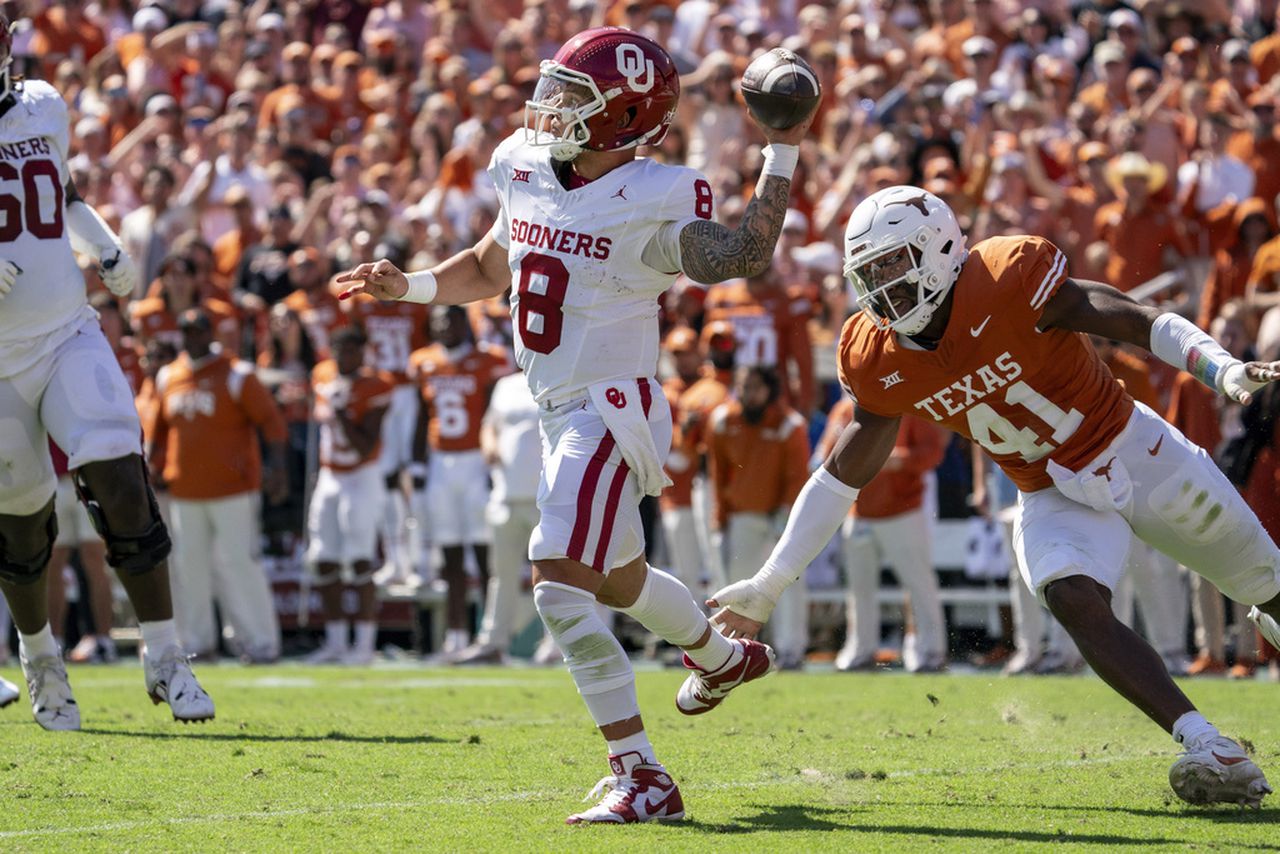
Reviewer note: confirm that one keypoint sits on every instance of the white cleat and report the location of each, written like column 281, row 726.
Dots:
column 1218, row 771
column 635, row 792
column 359, row 657
column 51, row 701
column 1267, row 625
column 169, row 679
column 8, row 693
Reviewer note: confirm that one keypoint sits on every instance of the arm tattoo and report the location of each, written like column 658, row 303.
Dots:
column 711, row 253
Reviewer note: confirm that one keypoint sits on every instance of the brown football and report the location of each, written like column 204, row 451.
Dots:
column 780, row 88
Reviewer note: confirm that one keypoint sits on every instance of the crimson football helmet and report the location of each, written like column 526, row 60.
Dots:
column 607, row 89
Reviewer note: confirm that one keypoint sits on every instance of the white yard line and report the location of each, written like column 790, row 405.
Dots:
column 820, row 778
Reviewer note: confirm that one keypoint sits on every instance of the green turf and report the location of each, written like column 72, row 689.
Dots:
column 327, row 759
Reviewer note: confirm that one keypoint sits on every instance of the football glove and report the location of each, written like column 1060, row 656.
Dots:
column 746, row 598
column 8, row 275
column 118, row 273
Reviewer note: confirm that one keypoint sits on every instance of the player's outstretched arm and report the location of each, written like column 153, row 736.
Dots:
column 818, row 513
column 90, row 235
column 473, row 274
column 710, row 252
column 1098, row 309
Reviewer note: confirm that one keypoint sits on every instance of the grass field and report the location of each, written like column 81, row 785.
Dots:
column 398, row 759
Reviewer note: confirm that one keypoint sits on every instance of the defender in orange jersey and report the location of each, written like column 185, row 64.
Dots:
column 456, row 378
column 987, row 343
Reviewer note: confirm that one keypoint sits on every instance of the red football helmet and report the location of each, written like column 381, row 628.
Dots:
column 606, row 89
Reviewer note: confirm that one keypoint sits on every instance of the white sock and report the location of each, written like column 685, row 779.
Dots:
column 666, row 608
column 335, row 634
column 596, row 661
column 159, row 635
column 455, row 640
column 638, row 743
column 366, row 635
column 40, row 644
column 1192, row 729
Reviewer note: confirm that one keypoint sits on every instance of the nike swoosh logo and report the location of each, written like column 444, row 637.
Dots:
column 1230, row 760
column 658, row 801
column 1156, row 449
column 977, row 330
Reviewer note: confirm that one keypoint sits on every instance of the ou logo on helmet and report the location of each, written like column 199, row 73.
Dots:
column 635, row 66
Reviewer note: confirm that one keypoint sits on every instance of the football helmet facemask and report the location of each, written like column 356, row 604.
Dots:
column 606, row 89
column 903, row 251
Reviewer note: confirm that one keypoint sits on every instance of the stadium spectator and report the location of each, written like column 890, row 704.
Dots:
column 679, row 527
column 204, row 446
column 149, row 231
column 317, row 308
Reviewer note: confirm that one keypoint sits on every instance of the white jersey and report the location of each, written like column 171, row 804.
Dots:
column 584, row 302
column 49, row 294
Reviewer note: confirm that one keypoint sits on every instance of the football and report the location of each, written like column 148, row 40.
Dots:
column 780, row 88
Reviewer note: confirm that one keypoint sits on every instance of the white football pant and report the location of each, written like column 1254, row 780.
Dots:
column 750, row 539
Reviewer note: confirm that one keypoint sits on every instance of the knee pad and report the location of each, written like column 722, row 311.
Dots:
column 136, row 554
column 596, row 660
column 16, row 570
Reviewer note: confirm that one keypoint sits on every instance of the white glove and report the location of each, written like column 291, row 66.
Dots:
column 747, row 599
column 119, row 274
column 8, row 275
column 1237, row 385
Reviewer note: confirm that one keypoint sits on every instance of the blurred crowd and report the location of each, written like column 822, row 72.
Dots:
column 249, row 151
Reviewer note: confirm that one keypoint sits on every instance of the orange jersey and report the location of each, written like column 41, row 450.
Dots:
column 205, row 427
column 919, row 449
column 1023, row 395
column 756, row 468
column 358, row 394
column 320, row 314
column 130, row 359
column 456, row 392
column 770, row 329
column 695, row 407
column 151, row 318
column 682, row 464
column 394, row 329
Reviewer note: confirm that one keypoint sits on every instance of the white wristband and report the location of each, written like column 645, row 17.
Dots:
column 422, row 287
column 818, row 513
column 780, row 160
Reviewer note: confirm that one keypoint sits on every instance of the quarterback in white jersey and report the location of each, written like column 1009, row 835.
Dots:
column 60, row 378
column 587, row 238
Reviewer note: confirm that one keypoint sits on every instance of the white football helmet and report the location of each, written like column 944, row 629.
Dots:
column 903, row 250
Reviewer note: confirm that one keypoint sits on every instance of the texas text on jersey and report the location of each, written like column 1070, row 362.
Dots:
column 1023, row 394
column 589, row 263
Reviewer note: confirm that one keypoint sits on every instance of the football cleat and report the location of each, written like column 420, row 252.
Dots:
column 479, row 653
column 8, row 693
column 702, row 691
column 169, row 679
column 51, row 701
column 1218, row 771
column 357, row 657
column 1267, row 625
column 645, row 792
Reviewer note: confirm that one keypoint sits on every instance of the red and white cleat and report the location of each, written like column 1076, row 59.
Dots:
column 1218, row 771
column 637, row 791
column 703, row 691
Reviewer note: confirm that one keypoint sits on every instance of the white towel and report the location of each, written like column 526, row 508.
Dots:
column 1104, row 484
column 619, row 405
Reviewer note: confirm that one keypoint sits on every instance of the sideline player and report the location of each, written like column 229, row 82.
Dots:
column 588, row 236
column 59, row 376
column 985, row 343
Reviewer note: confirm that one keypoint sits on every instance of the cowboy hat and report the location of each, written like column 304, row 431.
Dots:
column 1132, row 163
